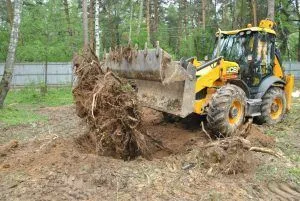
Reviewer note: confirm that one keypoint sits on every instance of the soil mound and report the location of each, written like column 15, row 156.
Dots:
column 258, row 138
column 228, row 156
column 4, row 149
column 109, row 106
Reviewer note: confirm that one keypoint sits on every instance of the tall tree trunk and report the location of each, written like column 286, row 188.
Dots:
column 148, row 20
column 67, row 13
column 254, row 13
column 117, row 17
column 242, row 14
column 185, row 17
column 298, row 43
column 130, row 25
column 92, row 25
column 140, row 16
column 10, row 60
column 156, row 15
column 85, row 24
column 271, row 9
column 10, row 12
column 298, row 13
column 97, row 28
column 111, row 19
column 179, row 33
column 198, row 14
column 193, row 15
column 216, row 13
column 203, row 14
column 232, row 8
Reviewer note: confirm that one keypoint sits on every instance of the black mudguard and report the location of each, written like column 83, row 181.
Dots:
column 266, row 84
column 242, row 85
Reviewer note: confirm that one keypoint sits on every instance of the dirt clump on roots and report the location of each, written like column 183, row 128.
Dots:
column 258, row 138
column 255, row 135
column 109, row 106
column 118, row 53
column 228, row 156
column 234, row 154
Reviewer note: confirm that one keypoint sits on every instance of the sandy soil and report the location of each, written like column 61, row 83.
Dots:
column 45, row 162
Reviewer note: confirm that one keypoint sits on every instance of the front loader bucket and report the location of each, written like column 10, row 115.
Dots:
column 162, row 84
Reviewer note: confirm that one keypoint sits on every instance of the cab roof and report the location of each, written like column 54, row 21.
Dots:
column 265, row 25
column 257, row 29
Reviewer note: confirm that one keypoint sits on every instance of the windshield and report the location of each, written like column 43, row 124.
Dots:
column 235, row 47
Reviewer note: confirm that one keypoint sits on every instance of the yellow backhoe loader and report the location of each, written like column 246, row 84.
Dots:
column 244, row 79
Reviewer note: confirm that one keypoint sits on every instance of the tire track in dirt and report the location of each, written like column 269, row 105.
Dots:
column 285, row 191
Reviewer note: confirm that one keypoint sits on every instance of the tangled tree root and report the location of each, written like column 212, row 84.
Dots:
column 118, row 53
column 228, row 156
column 232, row 155
column 109, row 106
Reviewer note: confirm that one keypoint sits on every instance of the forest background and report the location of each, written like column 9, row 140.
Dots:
column 51, row 30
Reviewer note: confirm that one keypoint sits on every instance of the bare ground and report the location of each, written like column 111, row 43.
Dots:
column 44, row 161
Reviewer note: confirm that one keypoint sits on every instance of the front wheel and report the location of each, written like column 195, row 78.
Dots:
column 273, row 106
column 226, row 110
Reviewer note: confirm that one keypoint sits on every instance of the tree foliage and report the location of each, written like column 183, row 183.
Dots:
column 50, row 32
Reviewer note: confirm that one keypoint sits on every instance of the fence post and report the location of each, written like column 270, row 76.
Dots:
column 46, row 73
column 72, row 75
column 43, row 88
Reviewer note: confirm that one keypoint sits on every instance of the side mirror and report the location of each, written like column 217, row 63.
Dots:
column 206, row 58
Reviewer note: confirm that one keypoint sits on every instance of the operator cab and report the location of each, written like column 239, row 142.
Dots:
column 253, row 49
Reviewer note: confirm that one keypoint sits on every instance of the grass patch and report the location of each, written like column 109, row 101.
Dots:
column 274, row 171
column 15, row 116
column 21, row 104
column 287, row 138
column 295, row 172
column 33, row 96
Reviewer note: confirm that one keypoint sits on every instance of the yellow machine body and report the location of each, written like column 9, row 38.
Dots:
column 181, row 88
column 217, row 74
column 213, row 77
column 290, row 80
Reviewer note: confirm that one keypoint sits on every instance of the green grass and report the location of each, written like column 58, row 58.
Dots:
column 33, row 96
column 287, row 140
column 21, row 105
column 15, row 116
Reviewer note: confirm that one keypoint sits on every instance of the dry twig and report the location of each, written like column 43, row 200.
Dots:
column 206, row 133
column 266, row 150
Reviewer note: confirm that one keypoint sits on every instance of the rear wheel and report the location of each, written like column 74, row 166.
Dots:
column 273, row 106
column 226, row 110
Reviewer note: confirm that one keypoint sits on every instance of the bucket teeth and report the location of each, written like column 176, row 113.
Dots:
column 161, row 83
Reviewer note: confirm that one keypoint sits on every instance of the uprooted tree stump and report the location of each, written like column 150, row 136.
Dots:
column 109, row 106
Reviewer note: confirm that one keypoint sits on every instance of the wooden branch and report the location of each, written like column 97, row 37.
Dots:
column 206, row 133
column 266, row 150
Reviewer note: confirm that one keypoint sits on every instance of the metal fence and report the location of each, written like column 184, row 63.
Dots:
column 52, row 73
column 293, row 68
column 60, row 73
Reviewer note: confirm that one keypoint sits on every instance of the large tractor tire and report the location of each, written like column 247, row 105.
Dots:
column 226, row 110
column 273, row 106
